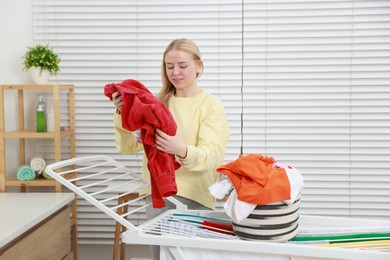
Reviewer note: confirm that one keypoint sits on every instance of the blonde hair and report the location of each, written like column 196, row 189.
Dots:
column 187, row 46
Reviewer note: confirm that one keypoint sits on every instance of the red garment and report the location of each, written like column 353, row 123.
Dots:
column 142, row 110
column 218, row 227
column 256, row 181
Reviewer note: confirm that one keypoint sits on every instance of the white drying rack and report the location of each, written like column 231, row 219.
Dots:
column 102, row 181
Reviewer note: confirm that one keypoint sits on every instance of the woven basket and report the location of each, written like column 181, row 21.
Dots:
column 276, row 222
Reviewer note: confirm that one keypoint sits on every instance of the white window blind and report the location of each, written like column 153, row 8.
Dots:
column 109, row 41
column 306, row 82
column 316, row 96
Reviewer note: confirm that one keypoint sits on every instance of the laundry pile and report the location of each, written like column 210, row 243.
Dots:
column 264, row 197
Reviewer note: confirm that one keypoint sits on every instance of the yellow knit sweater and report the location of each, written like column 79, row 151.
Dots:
column 202, row 125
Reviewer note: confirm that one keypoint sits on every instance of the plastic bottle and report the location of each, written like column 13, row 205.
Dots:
column 50, row 118
column 41, row 115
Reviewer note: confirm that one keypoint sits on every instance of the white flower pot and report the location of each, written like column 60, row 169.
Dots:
column 38, row 77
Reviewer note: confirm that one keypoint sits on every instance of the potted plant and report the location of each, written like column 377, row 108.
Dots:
column 42, row 62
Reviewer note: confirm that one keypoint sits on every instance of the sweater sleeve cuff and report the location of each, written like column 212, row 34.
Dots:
column 190, row 152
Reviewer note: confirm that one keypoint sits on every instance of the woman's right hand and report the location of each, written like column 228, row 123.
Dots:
column 117, row 100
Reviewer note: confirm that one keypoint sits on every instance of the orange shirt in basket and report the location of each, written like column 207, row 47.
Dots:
column 256, row 180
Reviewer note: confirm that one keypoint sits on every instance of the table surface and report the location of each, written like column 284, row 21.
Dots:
column 19, row 212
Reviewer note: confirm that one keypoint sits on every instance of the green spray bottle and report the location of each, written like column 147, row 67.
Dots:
column 41, row 115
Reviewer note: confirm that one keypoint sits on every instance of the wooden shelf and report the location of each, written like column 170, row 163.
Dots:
column 35, row 134
column 22, row 134
column 39, row 182
column 34, row 183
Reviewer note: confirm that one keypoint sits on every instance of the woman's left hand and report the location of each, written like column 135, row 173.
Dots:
column 170, row 144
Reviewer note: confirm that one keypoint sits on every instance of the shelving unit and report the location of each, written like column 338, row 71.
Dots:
column 23, row 134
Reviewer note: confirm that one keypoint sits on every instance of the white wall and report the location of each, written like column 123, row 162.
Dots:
column 16, row 34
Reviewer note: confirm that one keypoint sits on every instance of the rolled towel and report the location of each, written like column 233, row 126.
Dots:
column 45, row 175
column 25, row 173
column 38, row 164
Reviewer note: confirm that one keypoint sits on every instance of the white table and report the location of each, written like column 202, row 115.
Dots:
column 19, row 212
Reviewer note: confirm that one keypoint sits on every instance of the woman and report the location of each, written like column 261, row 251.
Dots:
column 202, row 128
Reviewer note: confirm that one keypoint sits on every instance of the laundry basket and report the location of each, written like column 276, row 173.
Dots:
column 276, row 222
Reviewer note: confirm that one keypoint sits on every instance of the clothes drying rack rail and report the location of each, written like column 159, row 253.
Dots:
column 102, row 182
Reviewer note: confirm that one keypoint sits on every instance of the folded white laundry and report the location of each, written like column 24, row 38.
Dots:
column 236, row 209
column 222, row 187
